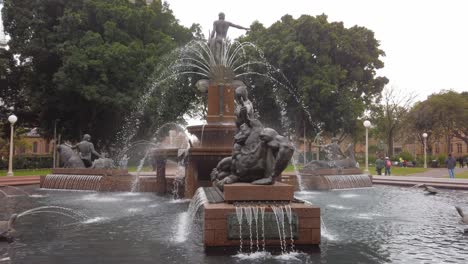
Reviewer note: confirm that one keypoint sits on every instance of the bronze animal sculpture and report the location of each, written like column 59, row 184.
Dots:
column 427, row 189
column 7, row 229
column 348, row 162
column 463, row 216
column 69, row 158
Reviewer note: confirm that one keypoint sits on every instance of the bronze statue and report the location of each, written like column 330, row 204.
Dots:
column 85, row 149
column 219, row 34
column 259, row 154
column 333, row 150
column 348, row 160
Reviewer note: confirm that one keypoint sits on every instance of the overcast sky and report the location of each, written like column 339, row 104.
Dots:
column 426, row 42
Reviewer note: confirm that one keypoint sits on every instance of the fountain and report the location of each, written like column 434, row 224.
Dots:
column 338, row 171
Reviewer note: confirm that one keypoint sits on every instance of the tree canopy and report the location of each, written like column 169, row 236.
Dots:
column 442, row 116
column 331, row 70
column 89, row 61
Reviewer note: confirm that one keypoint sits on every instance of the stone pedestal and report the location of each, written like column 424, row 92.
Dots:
column 221, row 228
column 220, row 103
column 239, row 192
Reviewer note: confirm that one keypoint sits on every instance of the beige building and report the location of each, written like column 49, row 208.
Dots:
column 32, row 143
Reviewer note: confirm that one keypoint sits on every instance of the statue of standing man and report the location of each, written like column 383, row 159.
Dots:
column 86, row 148
column 220, row 28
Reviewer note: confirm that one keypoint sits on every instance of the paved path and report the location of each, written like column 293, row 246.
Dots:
column 438, row 173
column 413, row 180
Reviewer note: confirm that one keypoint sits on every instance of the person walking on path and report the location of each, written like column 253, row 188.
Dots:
column 379, row 165
column 451, row 162
column 388, row 166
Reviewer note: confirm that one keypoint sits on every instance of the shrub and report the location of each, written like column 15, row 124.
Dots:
column 28, row 162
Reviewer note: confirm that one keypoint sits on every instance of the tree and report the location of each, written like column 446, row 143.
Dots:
column 442, row 115
column 331, row 72
column 389, row 115
column 90, row 60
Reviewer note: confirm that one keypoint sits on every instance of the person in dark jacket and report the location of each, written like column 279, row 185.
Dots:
column 451, row 162
column 379, row 165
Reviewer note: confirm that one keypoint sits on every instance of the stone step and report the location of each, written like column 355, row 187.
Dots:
column 19, row 180
column 460, row 186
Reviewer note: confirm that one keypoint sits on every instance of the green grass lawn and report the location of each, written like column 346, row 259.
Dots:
column 35, row 172
column 462, row 175
column 400, row 171
column 290, row 168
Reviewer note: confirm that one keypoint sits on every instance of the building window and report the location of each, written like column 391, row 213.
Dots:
column 459, row 148
column 47, row 145
column 35, row 147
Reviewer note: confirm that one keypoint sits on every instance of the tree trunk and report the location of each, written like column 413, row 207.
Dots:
column 390, row 144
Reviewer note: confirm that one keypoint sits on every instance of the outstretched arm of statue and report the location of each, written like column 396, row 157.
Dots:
column 237, row 26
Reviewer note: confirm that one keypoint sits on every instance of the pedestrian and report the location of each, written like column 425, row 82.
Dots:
column 451, row 162
column 379, row 165
column 388, row 166
column 460, row 160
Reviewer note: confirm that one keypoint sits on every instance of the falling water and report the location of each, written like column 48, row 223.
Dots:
column 199, row 198
column 262, row 210
column 178, row 181
column 255, row 214
column 202, row 131
column 72, row 182
column 288, row 210
column 136, row 179
column 348, row 181
column 185, row 219
column 298, row 175
column 239, row 220
column 279, row 216
column 248, row 217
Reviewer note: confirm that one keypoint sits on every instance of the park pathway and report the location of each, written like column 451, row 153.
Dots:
column 433, row 177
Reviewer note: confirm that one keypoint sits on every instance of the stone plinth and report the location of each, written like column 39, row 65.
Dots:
column 220, row 103
column 251, row 192
column 101, row 172
column 219, row 229
column 218, row 135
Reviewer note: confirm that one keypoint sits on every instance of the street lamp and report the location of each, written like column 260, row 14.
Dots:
column 12, row 119
column 425, row 138
column 54, row 153
column 367, row 125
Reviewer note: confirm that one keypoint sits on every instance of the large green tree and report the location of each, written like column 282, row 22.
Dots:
column 331, row 73
column 91, row 60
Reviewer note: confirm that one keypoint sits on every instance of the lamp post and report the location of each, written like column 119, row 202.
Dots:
column 425, row 138
column 12, row 119
column 54, row 153
column 367, row 125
